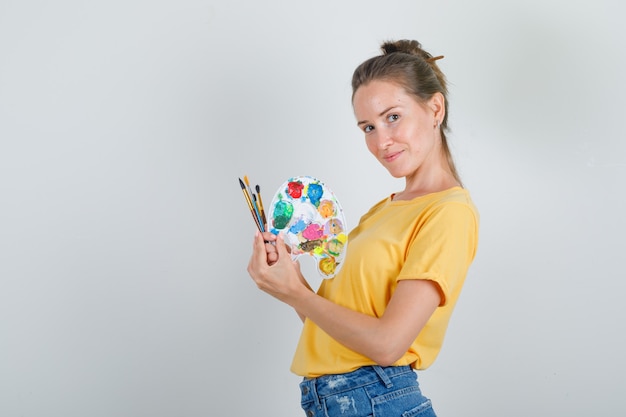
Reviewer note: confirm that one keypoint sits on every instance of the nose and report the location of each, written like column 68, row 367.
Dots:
column 384, row 139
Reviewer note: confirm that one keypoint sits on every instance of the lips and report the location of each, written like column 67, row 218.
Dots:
column 392, row 156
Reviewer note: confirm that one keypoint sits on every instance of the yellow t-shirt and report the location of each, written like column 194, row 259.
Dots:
column 431, row 237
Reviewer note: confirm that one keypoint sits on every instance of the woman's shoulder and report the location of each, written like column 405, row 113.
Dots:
column 455, row 194
column 454, row 201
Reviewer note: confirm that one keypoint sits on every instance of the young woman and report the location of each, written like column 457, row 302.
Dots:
column 384, row 315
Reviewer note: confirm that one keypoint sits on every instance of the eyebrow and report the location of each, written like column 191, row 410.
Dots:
column 359, row 123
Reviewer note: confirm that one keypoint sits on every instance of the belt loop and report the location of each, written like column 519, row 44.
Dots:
column 314, row 392
column 383, row 376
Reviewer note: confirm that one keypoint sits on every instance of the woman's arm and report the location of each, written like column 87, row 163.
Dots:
column 384, row 339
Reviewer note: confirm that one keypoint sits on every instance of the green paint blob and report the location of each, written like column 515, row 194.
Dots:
column 283, row 211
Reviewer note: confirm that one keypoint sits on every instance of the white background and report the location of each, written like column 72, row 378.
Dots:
column 124, row 236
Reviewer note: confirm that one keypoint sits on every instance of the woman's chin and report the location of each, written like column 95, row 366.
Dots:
column 396, row 173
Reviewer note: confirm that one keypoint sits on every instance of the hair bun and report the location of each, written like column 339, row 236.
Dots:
column 406, row 46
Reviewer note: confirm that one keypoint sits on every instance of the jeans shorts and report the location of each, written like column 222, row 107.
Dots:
column 370, row 391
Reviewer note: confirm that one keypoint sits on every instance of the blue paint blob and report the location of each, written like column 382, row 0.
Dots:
column 315, row 193
column 297, row 227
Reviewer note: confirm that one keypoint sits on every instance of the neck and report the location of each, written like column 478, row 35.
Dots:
column 418, row 185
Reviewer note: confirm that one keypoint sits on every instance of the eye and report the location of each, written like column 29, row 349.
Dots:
column 393, row 117
column 368, row 128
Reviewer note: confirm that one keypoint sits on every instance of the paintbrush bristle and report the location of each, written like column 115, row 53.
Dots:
column 242, row 184
column 245, row 178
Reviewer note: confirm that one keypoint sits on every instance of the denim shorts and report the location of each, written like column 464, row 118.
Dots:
column 370, row 391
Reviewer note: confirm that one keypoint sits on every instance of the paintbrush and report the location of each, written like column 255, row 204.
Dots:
column 254, row 202
column 245, row 179
column 251, row 206
column 258, row 193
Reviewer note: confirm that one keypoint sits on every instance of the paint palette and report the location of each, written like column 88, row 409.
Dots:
column 309, row 215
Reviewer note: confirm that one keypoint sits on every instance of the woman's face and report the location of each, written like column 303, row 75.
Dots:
column 400, row 132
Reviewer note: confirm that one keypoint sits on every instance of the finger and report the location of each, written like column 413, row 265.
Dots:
column 258, row 250
column 281, row 246
column 269, row 237
column 270, row 247
column 272, row 255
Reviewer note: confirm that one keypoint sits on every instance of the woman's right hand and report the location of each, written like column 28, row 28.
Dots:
column 273, row 270
column 270, row 247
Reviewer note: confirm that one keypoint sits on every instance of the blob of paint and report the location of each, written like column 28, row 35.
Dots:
column 326, row 208
column 334, row 247
column 313, row 231
column 283, row 210
column 327, row 265
column 311, row 245
column 297, row 227
column 333, row 227
column 294, row 189
column 314, row 193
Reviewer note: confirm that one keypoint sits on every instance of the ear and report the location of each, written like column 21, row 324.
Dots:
column 437, row 104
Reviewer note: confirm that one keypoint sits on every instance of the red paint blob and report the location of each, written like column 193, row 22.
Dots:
column 294, row 189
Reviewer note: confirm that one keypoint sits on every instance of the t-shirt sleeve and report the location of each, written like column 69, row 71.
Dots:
column 443, row 247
